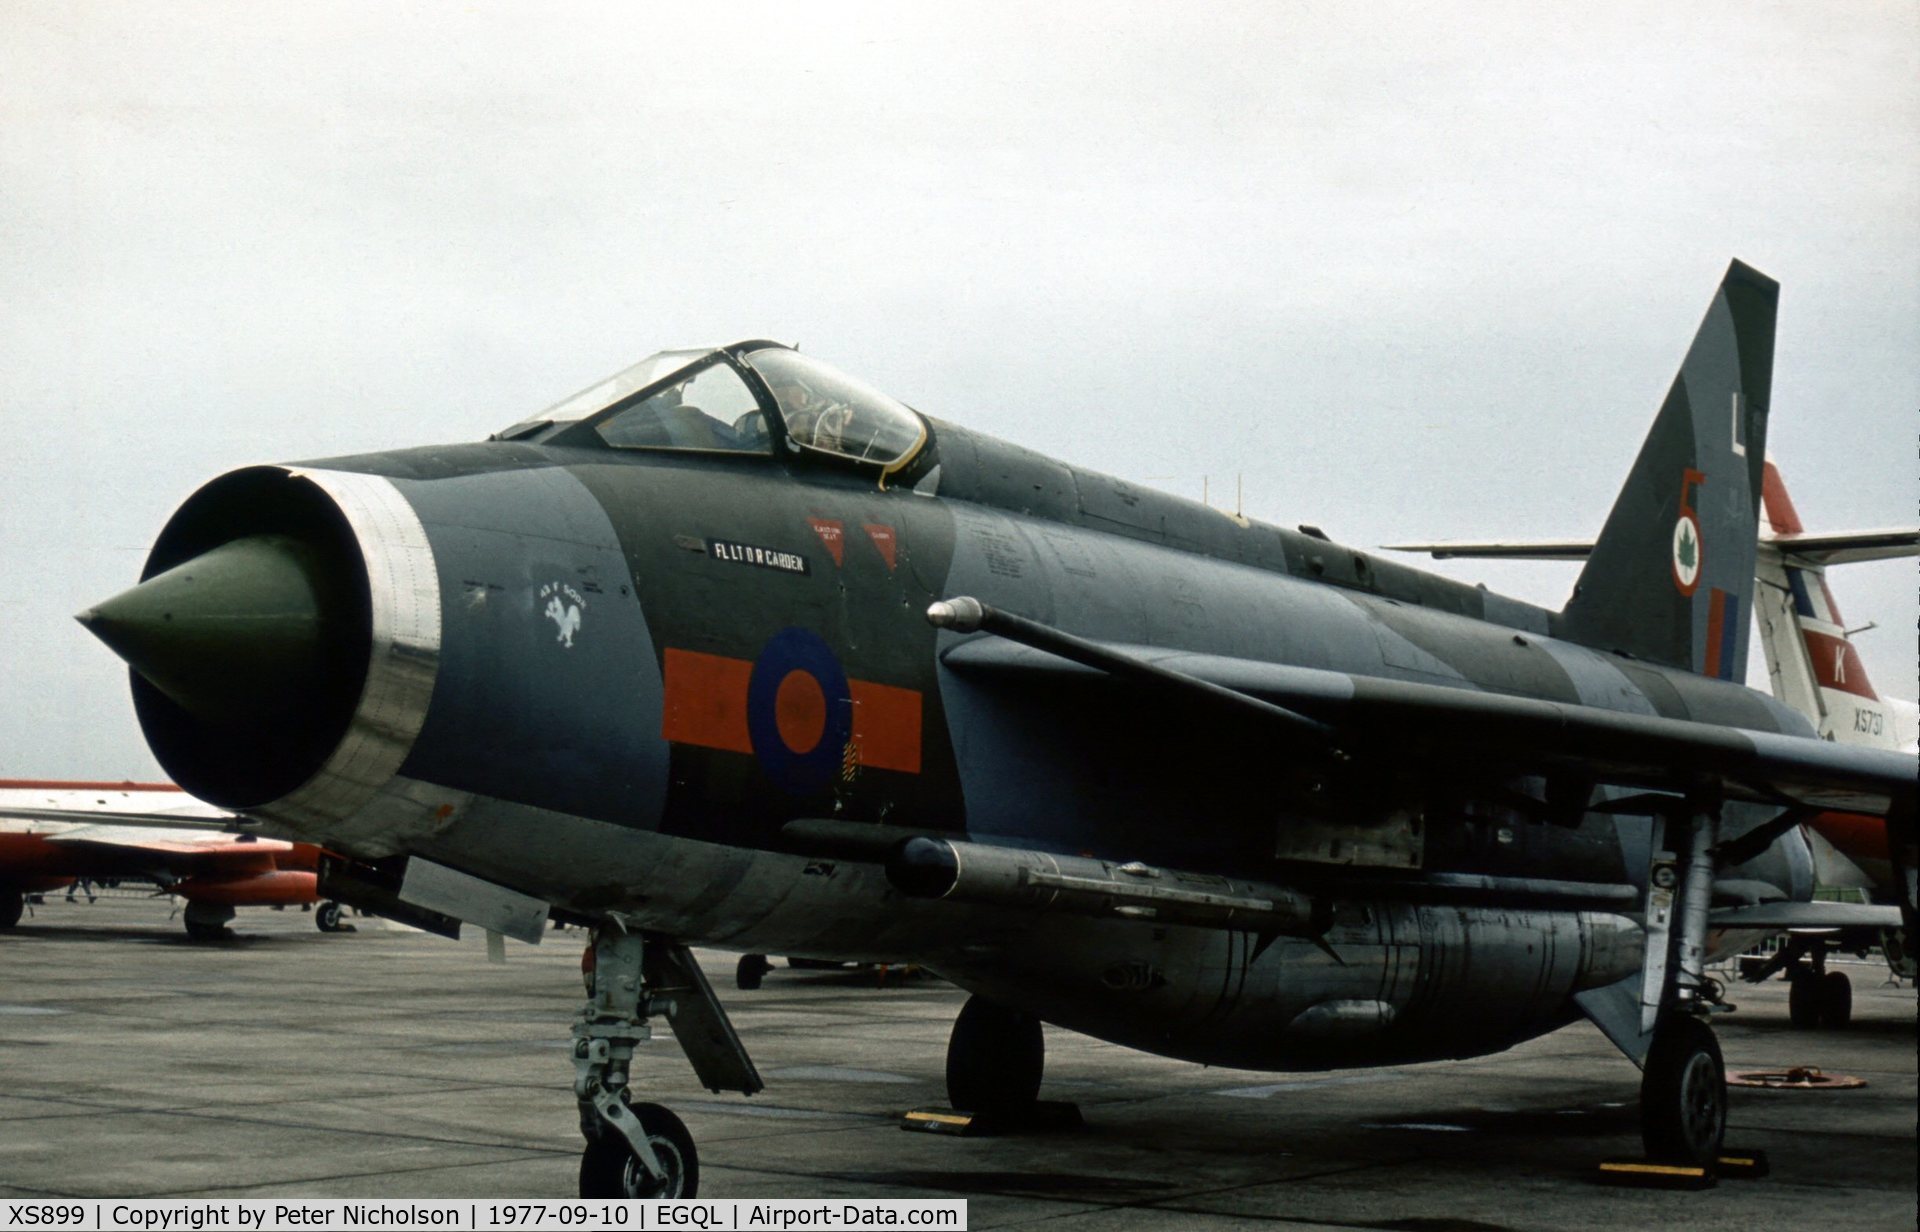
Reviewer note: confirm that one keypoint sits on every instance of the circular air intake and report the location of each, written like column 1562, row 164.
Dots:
column 249, row 637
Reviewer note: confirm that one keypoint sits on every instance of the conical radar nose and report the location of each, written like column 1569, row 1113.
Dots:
column 233, row 635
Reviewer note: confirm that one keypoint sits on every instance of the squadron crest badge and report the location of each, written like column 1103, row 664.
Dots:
column 565, row 607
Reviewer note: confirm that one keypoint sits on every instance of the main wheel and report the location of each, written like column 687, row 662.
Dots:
column 207, row 921
column 12, row 905
column 1836, row 1000
column 610, row 1169
column 1803, row 999
column 750, row 971
column 1683, row 1095
column 995, row 1058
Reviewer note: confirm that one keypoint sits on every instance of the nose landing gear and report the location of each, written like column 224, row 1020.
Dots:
column 642, row 1150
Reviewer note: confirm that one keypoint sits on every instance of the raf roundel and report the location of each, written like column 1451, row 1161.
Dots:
column 799, row 711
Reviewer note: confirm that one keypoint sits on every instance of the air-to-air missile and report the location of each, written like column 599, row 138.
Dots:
column 733, row 649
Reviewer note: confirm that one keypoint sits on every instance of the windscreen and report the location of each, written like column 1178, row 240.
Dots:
column 711, row 408
column 605, row 393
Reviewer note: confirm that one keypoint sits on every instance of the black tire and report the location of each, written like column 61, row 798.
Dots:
column 995, row 1059
column 610, row 1169
column 751, row 970
column 327, row 917
column 207, row 921
column 1803, row 1000
column 1836, row 1000
column 13, row 904
column 1683, row 1095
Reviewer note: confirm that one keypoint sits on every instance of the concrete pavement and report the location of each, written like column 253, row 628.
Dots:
column 389, row 1063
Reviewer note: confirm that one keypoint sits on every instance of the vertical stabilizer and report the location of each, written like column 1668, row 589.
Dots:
column 1670, row 579
column 1811, row 659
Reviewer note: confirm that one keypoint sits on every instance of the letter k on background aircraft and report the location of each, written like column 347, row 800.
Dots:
column 732, row 649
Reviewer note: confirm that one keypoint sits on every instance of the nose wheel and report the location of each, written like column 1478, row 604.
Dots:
column 611, row 1168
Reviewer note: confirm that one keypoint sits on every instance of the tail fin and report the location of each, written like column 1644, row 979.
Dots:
column 1811, row 659
column 1670, row 579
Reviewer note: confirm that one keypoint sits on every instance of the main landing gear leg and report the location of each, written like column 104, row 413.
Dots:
column 633, row 1150
column 1816, row 997
column 1683, row 1093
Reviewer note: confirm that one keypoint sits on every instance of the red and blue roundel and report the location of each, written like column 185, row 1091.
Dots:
column 799, row 711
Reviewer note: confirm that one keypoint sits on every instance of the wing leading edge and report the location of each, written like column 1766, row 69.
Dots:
column 1839, row 547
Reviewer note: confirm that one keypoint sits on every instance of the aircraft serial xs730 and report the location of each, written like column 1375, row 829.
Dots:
column 735, row 650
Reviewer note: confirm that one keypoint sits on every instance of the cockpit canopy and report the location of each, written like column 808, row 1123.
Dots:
column 825, row 409
column 719, row 400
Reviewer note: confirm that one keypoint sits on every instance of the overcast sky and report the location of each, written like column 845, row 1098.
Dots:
column 1415, row 270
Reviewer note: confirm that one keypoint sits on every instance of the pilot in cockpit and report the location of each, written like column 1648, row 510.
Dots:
column 811, row 417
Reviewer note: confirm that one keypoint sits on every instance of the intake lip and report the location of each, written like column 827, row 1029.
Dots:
column 283, row 641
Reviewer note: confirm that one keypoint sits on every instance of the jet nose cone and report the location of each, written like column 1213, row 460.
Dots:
column 234, row 635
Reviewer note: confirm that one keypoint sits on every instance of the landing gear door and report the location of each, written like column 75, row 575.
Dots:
column 699, row 1023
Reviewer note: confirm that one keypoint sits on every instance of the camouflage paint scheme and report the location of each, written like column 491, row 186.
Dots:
column 591, row 602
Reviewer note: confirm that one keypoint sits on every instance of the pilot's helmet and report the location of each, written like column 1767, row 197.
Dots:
column 792, row 392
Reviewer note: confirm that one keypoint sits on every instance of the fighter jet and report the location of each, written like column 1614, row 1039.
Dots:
column 737, row 650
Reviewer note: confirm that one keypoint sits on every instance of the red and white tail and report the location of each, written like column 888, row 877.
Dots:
column 1813, row 665
column 1816, row 670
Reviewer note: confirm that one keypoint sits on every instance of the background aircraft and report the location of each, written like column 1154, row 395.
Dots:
column 1813, row 667
column 733, row 648
column 44, row 846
